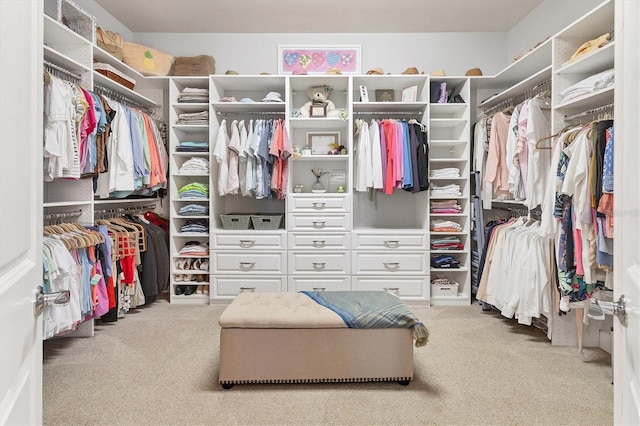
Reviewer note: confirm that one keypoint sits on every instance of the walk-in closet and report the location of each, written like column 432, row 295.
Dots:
column 162, row 159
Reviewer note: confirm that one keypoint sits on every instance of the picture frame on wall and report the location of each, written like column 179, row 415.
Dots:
column 318, row 59
column 322, row 143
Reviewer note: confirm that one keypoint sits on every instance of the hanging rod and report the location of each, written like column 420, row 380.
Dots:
column 62, row 215
column 98, row 88
column 526, row 94
column 124, row 210
column 58, row 69
column 388, row 113
column 244, row 114
column 604, row 108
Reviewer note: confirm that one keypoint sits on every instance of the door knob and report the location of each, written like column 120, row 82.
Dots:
column 620, row 309
column 49, row 299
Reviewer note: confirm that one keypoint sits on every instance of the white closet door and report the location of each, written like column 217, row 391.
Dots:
column 626, row 351
column 21, row 211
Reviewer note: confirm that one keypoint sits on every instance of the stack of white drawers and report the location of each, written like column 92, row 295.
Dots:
column 392, row 260
column 249, row 261
column 319, row 242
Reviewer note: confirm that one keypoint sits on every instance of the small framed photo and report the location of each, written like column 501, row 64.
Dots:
column 385, row 95
column 318, row 110
column 323, row 143
column 364, row 94
column 410, row 94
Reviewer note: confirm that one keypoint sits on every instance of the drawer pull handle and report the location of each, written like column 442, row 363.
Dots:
column 392, row 290
column 392, row 243
column 318, row 205
column 247, row 289
column 247, row 243
column 319, row 224
column 318, row 265
column 319, row 243
column 319, row 288
column 247, row 265
column 391, row 265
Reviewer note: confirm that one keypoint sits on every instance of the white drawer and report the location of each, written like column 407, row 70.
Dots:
column 318, row 241
column 319, row 284
column 320, row 222
column 250, row 240
column 410, row 287
column 249, row 262
column 319, row 263
column 390, row 263
column 232, row 286
column 390, row 240
column 319, row 204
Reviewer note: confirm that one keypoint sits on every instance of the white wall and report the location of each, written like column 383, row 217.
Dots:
column 543, row 21
column 256, row 53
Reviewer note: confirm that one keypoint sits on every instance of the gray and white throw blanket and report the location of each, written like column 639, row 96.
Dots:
column 371, row 309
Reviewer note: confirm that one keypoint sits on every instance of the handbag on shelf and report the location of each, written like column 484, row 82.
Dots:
column 146, row 60
column 110, row 42
column 194, row 65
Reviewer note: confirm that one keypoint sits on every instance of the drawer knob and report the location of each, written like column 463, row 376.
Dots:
column 392, row 243
column 393, row 290
column 319, row 288
column 247, row 265
column 318, row 265
column 319, row 243
column 318, row 205
column 391, row 265
column 247, row 289
column 319, row 224
column 247, row 243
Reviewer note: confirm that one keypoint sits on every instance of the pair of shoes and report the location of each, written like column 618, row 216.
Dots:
column 178, row 290
column 200, row 289
column 189, row 289
column 179, row 277
column 204, row 266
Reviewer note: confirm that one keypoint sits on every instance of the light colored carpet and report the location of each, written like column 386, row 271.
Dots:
column 159, row 365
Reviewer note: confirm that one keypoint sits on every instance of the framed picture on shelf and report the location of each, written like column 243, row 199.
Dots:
column 410, row 94
column 318, row 59
column 385, row 95
column 323, row 143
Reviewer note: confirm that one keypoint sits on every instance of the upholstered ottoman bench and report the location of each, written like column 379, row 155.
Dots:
column 291, row 338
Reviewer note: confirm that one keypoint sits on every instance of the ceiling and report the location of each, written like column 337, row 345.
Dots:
column 318, row 16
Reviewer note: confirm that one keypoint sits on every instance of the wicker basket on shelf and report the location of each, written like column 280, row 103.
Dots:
column 115, row 75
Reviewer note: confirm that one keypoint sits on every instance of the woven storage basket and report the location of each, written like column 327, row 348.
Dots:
column 266, row 222
column 194, row 65
column 235, row 221
column 113, row 74
column 146, row 60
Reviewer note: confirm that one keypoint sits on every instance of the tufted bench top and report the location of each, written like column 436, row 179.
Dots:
column 278, row 310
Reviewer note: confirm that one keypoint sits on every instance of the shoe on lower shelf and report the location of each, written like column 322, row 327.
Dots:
column 189, row 289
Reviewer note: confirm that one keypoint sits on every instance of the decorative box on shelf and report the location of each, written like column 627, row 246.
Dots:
column 235, row 221
column 443, row 287
column 73, row 17
column 115, row 75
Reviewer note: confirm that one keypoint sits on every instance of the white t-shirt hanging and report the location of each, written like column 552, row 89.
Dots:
column 242, row 158
column 220, row 154
column 539, row 159
column 233, row 182
column 376, row 155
